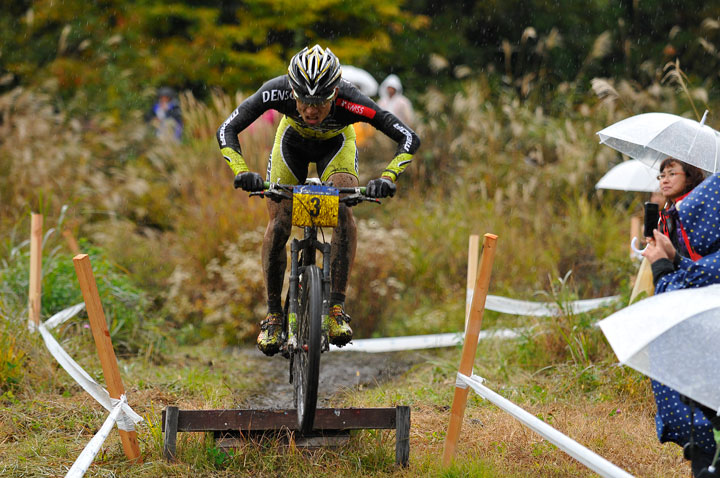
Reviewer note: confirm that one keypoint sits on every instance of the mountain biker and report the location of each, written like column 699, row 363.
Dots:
column 319, row 109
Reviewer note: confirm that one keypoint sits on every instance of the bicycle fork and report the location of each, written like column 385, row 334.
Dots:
column 293, row 296
column 325, row 248
column 309, row 245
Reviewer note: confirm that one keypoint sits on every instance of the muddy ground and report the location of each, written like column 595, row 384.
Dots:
column 338, row 371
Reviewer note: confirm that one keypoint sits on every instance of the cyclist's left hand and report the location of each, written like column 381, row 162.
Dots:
column 380, row 188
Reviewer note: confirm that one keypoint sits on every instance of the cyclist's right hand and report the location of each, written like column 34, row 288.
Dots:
column 249, row 181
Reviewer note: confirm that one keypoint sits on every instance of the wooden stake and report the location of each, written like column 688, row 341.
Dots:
column 35, row 290
column 457, row 411
column 472, row 267
column 72, row 243
column 171, row 429
column 402, row 436
column 100, row 332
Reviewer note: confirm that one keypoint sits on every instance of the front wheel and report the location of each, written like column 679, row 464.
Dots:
column 306, row 362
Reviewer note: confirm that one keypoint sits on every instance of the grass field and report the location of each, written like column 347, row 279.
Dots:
column 604, row 407
column 176, row 250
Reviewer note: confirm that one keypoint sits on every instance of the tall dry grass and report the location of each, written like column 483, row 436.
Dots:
column 492, row 160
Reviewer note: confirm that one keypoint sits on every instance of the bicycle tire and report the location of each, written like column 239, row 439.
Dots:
column 306, row 362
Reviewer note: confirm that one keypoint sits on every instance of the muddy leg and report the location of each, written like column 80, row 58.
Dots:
column 274, row 254
column 344, row 240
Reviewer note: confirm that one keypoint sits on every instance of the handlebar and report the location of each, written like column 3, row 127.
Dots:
column 279, row 192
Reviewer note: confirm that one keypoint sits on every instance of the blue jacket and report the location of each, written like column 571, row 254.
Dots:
column 699, row 213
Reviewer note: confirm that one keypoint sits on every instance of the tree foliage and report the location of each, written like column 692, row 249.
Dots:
column 109, row 51
column 110, row 54
column 551, row 42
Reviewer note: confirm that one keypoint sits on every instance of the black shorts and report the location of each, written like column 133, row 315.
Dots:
column 292, row 154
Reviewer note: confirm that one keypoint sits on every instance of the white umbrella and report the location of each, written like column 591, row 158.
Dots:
column 652, row 137
column 672, row 338
column 632, row 175
column 360, row 78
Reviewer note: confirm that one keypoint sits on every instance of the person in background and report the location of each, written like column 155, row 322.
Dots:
column 677, row 179
column 165, row 114
column 698, row 215
column 393, row 100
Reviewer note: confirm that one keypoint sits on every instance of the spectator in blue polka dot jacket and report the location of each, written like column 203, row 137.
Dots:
column 699, row 213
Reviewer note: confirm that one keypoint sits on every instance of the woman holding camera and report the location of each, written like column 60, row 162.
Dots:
column 677, row 179
column 684, row 254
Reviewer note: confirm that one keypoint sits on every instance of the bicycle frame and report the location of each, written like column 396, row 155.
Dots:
column 306, row 331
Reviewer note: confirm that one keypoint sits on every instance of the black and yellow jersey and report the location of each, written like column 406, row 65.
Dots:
column 351, row 106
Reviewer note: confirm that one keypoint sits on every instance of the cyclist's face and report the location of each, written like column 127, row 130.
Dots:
column 314, row 114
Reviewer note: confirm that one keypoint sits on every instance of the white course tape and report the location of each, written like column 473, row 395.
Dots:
column 93, row 447
column 587, row 457
column 540, row 309
column 63, row 316
column 416, row 342
column 128, row 417
column 86, row 381
column 124, row 421
column 460, row 383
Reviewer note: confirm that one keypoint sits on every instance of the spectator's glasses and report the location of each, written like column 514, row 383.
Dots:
column 669, row 174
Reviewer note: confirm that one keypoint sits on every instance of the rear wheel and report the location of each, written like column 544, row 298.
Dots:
column 306, row 361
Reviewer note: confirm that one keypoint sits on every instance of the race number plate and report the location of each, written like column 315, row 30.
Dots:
column 315, row 206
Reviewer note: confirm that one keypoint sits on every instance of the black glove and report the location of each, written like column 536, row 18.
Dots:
column 380, row 188
column 249, row 181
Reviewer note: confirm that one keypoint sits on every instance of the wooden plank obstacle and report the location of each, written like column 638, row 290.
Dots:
column 328, row 422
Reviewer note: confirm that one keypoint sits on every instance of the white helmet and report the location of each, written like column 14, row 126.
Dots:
column 314, row 73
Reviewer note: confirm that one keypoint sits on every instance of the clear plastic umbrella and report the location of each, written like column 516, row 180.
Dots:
column 673, row 338
column 630, row 175
column 365, row 82
column 652, row 137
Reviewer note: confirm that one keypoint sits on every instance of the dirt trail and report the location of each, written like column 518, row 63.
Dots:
column 338, row 371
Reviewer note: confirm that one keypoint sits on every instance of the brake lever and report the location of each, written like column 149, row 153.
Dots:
column 276, row 195
column 351, row 200
column 272, row 194
column 355, row 199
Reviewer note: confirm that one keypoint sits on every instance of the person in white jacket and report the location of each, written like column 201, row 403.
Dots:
column 393, row 100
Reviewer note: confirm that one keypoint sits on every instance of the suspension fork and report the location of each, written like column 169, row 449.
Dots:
column 293, row 293
column 325, row 247
column 307, row 245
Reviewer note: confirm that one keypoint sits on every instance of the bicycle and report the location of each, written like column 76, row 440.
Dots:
column 305, row 331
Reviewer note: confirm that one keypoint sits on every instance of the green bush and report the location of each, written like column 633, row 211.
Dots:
column 127, row 308
column 12, row 359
